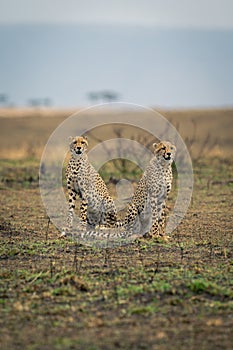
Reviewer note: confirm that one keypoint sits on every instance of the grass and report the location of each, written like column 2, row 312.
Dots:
column 26, row 175
column 58, row 294
column 137, row 296
column 205, row 132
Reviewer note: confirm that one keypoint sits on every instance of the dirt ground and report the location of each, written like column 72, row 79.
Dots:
column 58, row 294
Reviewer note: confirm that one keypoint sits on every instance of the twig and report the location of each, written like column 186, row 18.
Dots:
column 47, row 229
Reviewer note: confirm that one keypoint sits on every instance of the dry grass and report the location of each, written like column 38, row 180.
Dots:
column 56, row 294
column 24, row 132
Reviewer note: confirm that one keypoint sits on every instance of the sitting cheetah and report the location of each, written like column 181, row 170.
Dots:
column 97, row 207
column 147, row 210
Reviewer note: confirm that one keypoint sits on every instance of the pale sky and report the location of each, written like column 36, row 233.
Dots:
column 205, row 14
column 166, row 53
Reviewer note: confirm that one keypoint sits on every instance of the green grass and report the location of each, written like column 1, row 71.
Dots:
column 60, row 295
column 202, row 285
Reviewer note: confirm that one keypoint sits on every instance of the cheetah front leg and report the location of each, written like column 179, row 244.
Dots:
column 130, row 216
column 69, row 222
column 162, row 218
column 83, row 212
column 109, row 213
column 158, row 209
column 153, row 232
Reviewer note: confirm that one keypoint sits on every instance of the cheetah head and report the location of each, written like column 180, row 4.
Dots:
column 165, row 151
column 78, row 145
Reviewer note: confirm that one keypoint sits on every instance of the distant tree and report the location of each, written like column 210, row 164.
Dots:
column 3, row 99
column 47, row 102
column 38, row 102
column 34, row 102
column 106, row 96
column 93, row 96
column 109, row 96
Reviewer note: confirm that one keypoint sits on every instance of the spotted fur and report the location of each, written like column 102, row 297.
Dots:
column 147, row 211
column 97, row 207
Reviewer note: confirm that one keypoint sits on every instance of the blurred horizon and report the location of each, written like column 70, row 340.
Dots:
column 78, row 53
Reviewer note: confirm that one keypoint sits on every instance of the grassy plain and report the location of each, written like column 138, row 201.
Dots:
column 57, row 294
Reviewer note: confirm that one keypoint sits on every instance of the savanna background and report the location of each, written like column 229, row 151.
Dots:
column 175, row 57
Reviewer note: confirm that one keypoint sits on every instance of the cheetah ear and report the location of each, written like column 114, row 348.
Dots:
column 85, row 137
column 71, row 138
column 155, row 145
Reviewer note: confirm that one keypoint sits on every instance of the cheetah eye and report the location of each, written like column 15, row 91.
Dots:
column 74, row 142
column 83, row 142
column 164, row 148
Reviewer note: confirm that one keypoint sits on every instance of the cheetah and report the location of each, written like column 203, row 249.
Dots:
column 97, row 207
column 146, row 212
